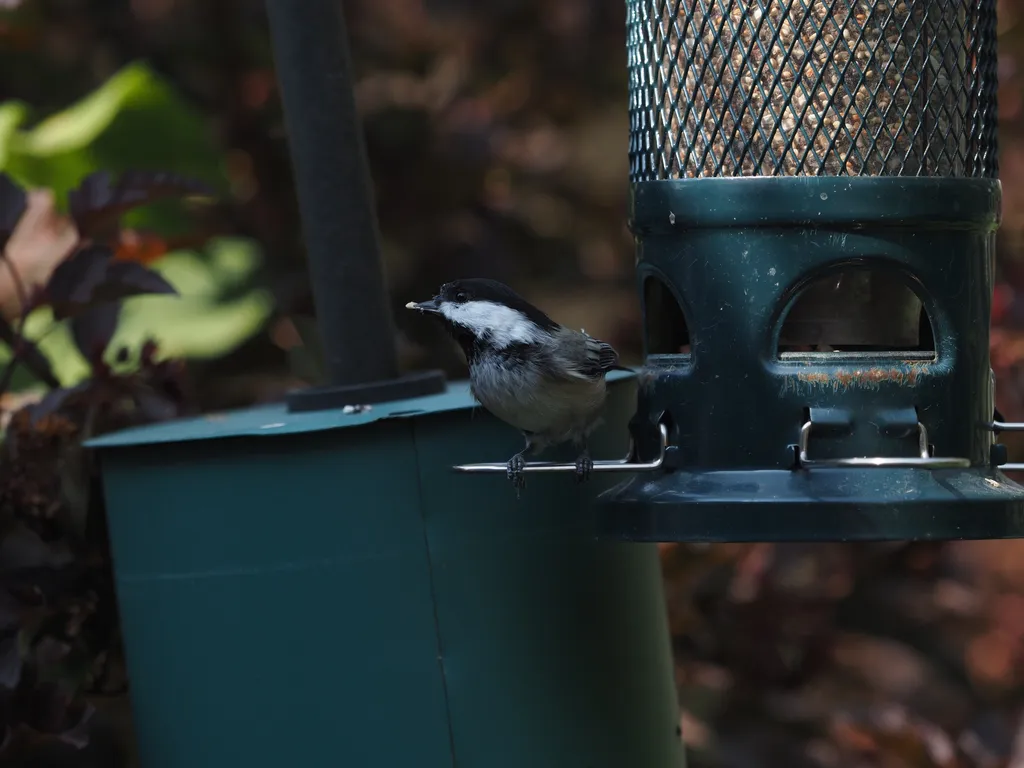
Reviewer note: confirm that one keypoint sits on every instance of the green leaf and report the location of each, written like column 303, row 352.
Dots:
column 134, row 121
column 81, row 124
column 216, row 311
column 54, row 340
column 12, row 115
column 194, row 329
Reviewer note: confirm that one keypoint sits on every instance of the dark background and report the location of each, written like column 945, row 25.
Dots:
column 497, row 134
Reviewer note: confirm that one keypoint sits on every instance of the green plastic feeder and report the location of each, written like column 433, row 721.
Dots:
column 815, row 203
column 320, row 589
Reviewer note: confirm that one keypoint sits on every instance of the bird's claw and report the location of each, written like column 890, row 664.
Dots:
column 584, row 466
column 515, row 472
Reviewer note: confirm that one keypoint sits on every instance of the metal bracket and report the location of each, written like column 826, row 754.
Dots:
column 1008, row 426
column 628, row 464
column 925, row 460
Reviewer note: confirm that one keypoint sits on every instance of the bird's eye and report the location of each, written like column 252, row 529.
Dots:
column 461, row 297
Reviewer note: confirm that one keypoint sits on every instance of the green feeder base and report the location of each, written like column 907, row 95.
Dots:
column 818, row 505
column 321, row 589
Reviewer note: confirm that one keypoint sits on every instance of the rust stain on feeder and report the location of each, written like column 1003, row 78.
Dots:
column 905, row 374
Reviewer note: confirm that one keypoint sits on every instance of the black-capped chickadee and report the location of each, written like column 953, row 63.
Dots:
column 526, row 369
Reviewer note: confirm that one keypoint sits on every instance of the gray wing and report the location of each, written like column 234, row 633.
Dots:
column 588, row 358
column 601, row 357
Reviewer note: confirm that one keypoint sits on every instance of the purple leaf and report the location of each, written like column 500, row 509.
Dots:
column 76, row 279
column 54, row 400
column 13, row 203
column 155, row 407
column 90, row 276
column 93, row 329
column 50, row 403
column 127, row 278
column 98, row 202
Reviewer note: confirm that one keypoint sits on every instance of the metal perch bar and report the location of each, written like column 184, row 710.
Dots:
column 925, row 459
column 1006, row 426
column 617, row 465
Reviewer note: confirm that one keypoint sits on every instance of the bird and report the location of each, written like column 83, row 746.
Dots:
column 540, row 377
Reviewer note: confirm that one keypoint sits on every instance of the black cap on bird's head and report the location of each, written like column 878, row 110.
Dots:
column 488, row 309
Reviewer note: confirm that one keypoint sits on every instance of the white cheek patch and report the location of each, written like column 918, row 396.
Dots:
column 503, row 325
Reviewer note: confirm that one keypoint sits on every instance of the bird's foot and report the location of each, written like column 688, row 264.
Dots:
column 515, row 472
column 584, row 466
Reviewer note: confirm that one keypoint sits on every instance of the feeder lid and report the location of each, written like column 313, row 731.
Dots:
column 275, row 419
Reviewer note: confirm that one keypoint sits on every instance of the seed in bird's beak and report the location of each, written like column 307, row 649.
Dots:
column 431, row 305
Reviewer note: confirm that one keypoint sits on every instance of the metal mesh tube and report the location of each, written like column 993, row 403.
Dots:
column 812, row 88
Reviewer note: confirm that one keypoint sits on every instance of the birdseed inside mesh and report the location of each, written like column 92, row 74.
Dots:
column 808, row 87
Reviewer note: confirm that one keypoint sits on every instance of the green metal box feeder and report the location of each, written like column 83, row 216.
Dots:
column 814, row 203
column 318, row 589
column 310, row 583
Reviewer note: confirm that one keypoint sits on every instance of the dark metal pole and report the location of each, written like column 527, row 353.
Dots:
column 314, row 70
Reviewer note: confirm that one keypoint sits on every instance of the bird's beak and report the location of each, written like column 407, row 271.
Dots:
column 431, row 305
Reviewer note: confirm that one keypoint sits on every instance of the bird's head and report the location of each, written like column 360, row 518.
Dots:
column 488, row 311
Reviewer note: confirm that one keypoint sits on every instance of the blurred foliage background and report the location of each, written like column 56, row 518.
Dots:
column 497, row 134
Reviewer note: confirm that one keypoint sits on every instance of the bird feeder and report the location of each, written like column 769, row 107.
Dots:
column 309, row 583
column 814, row 202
